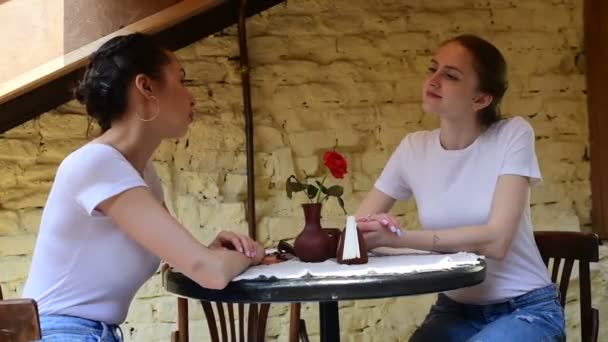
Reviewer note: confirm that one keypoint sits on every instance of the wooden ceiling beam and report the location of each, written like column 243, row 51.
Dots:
column 178, row 26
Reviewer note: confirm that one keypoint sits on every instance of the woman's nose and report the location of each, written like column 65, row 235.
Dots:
column 435, row 80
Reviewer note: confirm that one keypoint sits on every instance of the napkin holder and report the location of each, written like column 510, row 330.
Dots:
column 352, row 240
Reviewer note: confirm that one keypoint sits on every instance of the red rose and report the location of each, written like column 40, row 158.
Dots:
column 336, row 163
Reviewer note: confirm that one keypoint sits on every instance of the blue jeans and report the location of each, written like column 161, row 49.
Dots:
column 534, row 316
column 58, row 328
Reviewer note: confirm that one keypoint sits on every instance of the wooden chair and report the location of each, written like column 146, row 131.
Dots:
column 251, row 324
column 257, row 316
column 19, row 321
column 297, row 326
column 571, row 246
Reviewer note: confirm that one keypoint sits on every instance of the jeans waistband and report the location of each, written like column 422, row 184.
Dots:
column 52, row 323
column 543, row 294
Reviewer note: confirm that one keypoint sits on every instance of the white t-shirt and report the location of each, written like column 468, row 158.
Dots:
column 83, row 264
column 454, row 188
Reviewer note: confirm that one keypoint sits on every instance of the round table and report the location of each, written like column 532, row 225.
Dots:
column 328, row 290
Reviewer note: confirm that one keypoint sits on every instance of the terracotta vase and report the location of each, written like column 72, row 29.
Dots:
column 334, row 235
column 313, row 244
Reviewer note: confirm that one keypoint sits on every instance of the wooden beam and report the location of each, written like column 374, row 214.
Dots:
column 76, row 59
column 178, row 26
column 596, row 47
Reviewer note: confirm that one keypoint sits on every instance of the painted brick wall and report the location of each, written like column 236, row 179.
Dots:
column 324, row 71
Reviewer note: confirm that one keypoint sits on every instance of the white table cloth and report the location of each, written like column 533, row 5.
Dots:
column 384, row 261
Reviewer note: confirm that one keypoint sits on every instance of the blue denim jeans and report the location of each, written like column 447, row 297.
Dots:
column 534, row 316
column 58, row 328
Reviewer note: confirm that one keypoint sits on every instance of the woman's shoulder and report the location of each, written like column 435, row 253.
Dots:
column 92, row 153
column 416, row 142
column 512, row 124
column 510, row 128
column 89, row 158
column 421, row 137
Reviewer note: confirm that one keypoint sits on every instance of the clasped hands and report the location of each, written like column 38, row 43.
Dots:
column 379, row 230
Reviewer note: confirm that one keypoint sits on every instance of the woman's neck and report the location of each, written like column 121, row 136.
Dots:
column 457, row 135
column 131, row 140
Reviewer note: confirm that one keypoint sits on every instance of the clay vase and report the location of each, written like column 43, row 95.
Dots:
column 334, row 235
column 313, row 244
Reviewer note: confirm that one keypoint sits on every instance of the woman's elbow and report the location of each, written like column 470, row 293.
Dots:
column 217, row 284
column 498, row 243
column 497, row 255
column 497, row 251
column 215, row 281
column 210, row 276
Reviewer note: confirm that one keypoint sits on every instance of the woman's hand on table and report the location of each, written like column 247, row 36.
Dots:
column 238, row 242
column 260, row 254
column 379, row 230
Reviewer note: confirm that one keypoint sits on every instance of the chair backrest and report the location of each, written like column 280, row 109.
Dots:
column 255, row 322
column 571, row 246
column 19, row 321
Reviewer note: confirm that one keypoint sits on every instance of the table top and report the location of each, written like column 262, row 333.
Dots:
column 325, row 289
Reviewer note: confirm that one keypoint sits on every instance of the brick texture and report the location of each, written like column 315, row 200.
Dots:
column 326, row 72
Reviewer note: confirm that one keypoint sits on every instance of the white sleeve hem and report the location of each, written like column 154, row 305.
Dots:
column 387, row 190
column 94, row 196
column 533, row 178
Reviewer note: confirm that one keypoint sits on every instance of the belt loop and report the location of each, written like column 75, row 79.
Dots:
column 558, row 294
column 122, row 336
column 104, row 330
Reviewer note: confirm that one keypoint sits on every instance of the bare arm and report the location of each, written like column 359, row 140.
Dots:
column 375, row 202
column 147, row 221
column 492, row 239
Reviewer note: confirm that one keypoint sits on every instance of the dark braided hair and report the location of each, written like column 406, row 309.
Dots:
column 103, row 88
column 491, row 69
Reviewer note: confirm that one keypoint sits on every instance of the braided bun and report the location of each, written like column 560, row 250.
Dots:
column 104, row 86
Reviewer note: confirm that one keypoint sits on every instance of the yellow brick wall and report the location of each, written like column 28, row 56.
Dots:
column 345, row 70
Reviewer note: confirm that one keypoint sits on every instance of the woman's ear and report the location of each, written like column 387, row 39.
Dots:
column 481, row 101
column 143, row 84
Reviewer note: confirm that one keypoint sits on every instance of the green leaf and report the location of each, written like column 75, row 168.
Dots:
column 293, row 185
column 311, row 191
column 323, row 188
column 341, row 202
column 335, row 190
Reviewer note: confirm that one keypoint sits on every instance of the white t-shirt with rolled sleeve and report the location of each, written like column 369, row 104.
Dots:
column 455, row 188
column 83, row 264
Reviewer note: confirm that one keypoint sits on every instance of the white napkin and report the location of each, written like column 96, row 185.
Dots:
column 389, row 264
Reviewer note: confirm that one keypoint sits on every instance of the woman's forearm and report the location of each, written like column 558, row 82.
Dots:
column 224, row 266
column 482, row 240
column 375, row 202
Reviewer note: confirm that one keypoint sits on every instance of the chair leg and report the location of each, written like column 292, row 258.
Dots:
column 294, row 322
column 303, row 332
column 175, row 336
column 182, row 319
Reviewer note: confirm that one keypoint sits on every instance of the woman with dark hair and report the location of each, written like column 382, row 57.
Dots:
column 105, row 226
column 471, row 180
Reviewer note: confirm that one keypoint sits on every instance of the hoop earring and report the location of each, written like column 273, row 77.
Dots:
column 155, row 114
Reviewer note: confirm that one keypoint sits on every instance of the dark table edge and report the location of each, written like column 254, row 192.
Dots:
column 335, row 289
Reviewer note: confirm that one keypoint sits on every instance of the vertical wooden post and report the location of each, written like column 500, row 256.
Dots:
column 596, row 46
column 246, row 87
